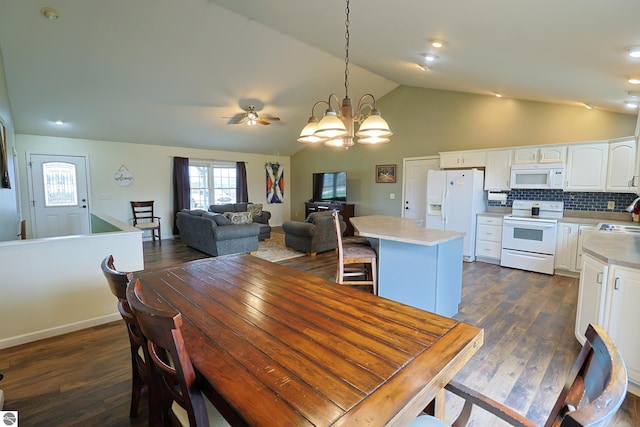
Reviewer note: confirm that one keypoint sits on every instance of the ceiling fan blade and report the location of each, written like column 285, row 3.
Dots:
column 263, row 122
column 238, row 118
column 269, row 118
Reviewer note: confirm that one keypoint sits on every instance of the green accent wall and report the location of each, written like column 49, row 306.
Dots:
column 428, row 121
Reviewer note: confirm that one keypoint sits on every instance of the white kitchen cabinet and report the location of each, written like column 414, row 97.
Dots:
column 584, row 231
column 566, row 244
column 540, row 154
column 587, row 167
column 622, row 317
column 462, row 159
column 591, row 295
column 497, row 172
column 621, row 166
column 489, row 238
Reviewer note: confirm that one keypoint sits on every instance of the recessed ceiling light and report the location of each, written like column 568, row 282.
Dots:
column 634, row 80
column 634, row 52
column 589, row 106
column 631, row 104
column 436, row 43
column 423, row 67
column 633, row 93
column 430, row 57
column 59, row 122
column 50, row 13
column 498, row 95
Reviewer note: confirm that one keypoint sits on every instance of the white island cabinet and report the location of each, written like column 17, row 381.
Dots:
column 417, row 266
column 609, row 294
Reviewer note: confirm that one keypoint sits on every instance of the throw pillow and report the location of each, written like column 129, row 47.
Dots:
column 221, row 220
column 255, row 208
column 239, row 217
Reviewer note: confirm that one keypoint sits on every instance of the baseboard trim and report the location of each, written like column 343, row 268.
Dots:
column 59, row 330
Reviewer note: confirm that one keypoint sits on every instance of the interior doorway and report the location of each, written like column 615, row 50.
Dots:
column 59, row 195
column 414, row 185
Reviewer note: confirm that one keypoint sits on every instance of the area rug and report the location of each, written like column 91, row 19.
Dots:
column 274, row 249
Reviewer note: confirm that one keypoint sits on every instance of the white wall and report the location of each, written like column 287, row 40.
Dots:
column 152, row 169
column 53, row 286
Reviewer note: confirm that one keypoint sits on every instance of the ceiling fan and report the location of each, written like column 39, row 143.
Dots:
column 250, row 117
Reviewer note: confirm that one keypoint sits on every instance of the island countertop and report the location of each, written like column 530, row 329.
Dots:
column 401, row 230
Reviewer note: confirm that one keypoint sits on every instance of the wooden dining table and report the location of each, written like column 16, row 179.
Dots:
column 274, row 346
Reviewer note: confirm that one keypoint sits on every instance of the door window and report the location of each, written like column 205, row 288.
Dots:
column 60, row 184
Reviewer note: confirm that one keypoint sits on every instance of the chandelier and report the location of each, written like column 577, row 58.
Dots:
column 336, row 129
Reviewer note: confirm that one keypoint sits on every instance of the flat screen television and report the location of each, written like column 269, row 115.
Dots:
column 330, row 186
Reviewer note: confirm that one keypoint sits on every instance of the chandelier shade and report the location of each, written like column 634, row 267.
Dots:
column 374, row 126
column 337, row 129
column 331, row 126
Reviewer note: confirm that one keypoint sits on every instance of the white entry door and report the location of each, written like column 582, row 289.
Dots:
column 60, row 202
column 415, row 185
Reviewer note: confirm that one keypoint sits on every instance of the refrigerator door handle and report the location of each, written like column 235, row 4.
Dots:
column 443, row 209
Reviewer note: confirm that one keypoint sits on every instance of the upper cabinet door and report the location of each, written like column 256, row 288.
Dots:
column 587, row 167
column 462, row 159
column 497, row 173
column 620, row 171
column 526, row 155
column 556, row 154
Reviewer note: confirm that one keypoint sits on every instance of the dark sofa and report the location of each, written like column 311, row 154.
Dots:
column 214, row 234
column 262, row 218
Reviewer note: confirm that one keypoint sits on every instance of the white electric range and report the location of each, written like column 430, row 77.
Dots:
column 529, row 235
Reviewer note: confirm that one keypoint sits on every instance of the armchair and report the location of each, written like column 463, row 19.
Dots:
column 316, row 234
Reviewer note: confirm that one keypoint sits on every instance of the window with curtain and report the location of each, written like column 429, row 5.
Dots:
column 211, row 183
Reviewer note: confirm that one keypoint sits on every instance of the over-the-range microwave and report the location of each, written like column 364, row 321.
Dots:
column 538, row 176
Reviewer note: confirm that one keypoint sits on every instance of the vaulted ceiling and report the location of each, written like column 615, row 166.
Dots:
column 171, row 72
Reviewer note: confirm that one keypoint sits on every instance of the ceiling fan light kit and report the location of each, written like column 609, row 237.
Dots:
column 250, row 117
column 337, row 129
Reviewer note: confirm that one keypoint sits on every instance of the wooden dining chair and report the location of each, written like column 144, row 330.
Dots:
column 144, row 218
column 355, row 260
column 594, row 390
column 182, row 401
column 140, row 368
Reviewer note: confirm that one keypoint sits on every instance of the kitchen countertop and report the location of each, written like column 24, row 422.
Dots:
column 614, row 247
column 401, row 230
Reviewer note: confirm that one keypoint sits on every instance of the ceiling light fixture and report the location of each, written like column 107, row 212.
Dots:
column 498, row 95
column 588, row 106
column 430, row 57
column 633, row 93
column 634, row 80
column 337, row 130
column 423, row 67
column 634, row 52
column 59, row 122
column 50, row 13
column 435, row 43
column 632, row 105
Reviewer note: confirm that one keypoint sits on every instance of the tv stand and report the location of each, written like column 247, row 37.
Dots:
column 345, row 209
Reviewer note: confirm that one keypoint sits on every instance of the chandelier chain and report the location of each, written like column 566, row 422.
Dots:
column 346, row 53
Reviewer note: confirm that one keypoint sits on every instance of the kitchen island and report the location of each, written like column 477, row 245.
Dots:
column 418, row 266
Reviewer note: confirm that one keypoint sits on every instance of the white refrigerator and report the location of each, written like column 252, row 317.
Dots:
column 454, row 198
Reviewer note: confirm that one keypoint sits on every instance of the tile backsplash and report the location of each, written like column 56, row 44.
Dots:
column 573, row 201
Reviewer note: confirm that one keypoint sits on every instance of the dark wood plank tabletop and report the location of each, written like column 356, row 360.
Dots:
column 282, row 347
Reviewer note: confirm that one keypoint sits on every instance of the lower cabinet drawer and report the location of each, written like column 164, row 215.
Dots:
column 489, row 232
column 488, row 249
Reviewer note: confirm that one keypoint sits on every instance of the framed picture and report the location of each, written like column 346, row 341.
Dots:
column 385, row 173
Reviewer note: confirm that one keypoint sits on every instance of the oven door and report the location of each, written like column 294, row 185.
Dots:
column 530, row 235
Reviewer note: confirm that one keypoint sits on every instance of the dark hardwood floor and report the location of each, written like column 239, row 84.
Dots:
column 83, row 378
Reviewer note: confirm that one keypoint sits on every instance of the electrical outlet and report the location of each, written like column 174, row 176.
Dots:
column 611, row 205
